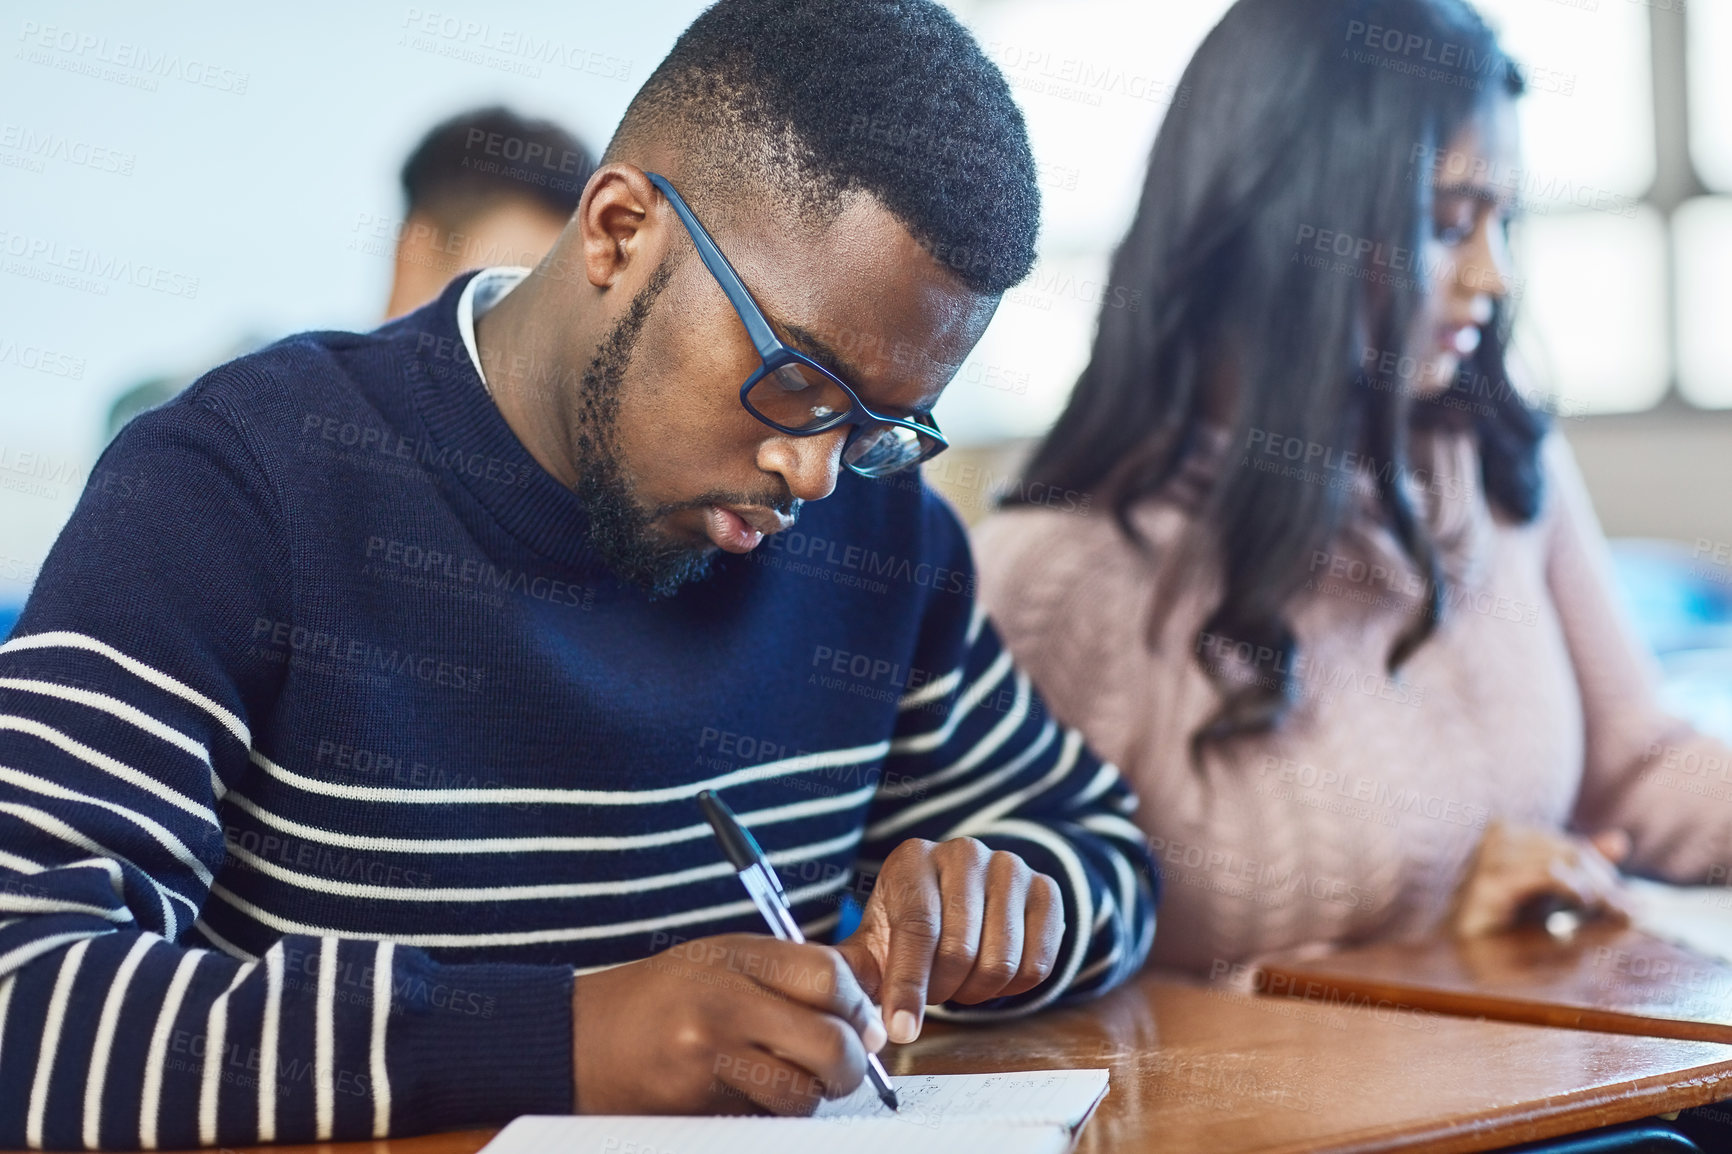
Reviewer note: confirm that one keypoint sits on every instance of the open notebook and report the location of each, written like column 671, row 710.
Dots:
column 1032, row 1112
column 1695, row 917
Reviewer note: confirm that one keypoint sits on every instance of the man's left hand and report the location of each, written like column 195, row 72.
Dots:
column 953, row 921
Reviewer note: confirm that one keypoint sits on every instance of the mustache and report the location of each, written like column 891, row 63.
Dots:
column 781, row 501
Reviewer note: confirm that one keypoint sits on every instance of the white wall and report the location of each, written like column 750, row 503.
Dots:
column 247, row 148
column 240, row 162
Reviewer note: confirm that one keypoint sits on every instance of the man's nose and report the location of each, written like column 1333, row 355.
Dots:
column 809, row 465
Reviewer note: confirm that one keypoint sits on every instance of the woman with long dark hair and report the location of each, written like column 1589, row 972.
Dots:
column 1339, row 604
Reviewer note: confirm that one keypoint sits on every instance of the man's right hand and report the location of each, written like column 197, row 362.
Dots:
column 733, row 1024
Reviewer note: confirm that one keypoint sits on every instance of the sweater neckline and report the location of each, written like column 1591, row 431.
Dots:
column 477, row 445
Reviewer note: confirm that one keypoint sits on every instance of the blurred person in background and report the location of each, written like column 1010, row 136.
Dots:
column 1341, row 609
column 485, row 187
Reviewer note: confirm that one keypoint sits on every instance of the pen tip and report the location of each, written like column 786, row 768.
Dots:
column 889, row 1097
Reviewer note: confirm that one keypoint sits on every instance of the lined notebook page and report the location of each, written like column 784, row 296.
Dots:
column 602, row 1134
column 1031, row 1112
column 1034, row 1097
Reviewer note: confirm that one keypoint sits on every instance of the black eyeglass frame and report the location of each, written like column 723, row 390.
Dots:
column 773, row 354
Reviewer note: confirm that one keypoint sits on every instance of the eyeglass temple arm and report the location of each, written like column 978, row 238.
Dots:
column 758, row 329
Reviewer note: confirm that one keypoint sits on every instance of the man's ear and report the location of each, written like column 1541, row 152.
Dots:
column 617, row 222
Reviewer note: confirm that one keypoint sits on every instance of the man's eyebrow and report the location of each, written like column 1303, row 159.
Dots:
column 819, row 350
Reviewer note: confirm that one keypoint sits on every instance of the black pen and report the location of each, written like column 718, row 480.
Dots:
column 1557, row 915
column 759, row 877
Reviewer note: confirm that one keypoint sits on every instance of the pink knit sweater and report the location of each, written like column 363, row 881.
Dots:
column 1534, row 702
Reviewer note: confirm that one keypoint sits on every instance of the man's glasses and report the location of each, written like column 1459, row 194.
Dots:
column 792, row 393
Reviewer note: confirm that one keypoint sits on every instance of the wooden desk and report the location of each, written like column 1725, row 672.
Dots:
column 1605, row 978
column 1196, row 1069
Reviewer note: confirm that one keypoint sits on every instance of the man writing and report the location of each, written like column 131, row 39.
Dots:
column 349, row 753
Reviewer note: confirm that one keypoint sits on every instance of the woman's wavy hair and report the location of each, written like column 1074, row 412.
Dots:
column 1299, row 117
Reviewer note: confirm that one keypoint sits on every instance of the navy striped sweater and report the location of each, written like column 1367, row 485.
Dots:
column 329, row 753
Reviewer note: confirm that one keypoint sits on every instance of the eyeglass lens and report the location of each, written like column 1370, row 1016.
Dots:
column 800, row 398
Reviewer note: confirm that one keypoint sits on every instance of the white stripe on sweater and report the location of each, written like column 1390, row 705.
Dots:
column 980, row 751
column 156, row 1055
column 930, row 692
column 528, row 937
column 1128, row 888
column 381, row 1070
column 325, row 1042
column 222, row 943
column 216, row 1032
column 156, row 677
column 107, row 866
column 49, row 1048
column 268, row 1033
column 1105, row 776
column 965, row 704
column 910, row 814
column 1093, row 969
column 6, row 985
column 53, row 825
column 114, row 707
column 160, row 833
column 976, row 622
column 812, row 931
column 804, row 763
column 935, row 690
column 1113, row 826
column 101, row 1049
column 14, row 904
column 755, row 819
column 108, row 765
column 14, row 960
column 549, row 891
column 1061, row 768
column 995, row 737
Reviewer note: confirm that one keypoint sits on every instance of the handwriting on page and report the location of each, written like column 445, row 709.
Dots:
column 1026, row 1112
column 1040, row 1097
column 584, row 1134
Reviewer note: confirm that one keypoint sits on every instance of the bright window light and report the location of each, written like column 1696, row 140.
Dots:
column 1093, row 78
column 1092, row 103
column 1588, row 116
column 1016, row 381
column 1702, row 244
column 1591, row 309
column 1709, row 30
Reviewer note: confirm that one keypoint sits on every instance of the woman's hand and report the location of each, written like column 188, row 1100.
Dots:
column 953, row 921
column 1517, row 863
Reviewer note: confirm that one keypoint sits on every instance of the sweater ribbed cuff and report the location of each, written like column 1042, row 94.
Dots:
column 478, row 1045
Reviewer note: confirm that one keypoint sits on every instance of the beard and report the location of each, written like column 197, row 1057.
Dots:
column 622, row 529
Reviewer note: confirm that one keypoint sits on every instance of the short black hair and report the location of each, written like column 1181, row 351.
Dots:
column 816, row 99
column 471, row 162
